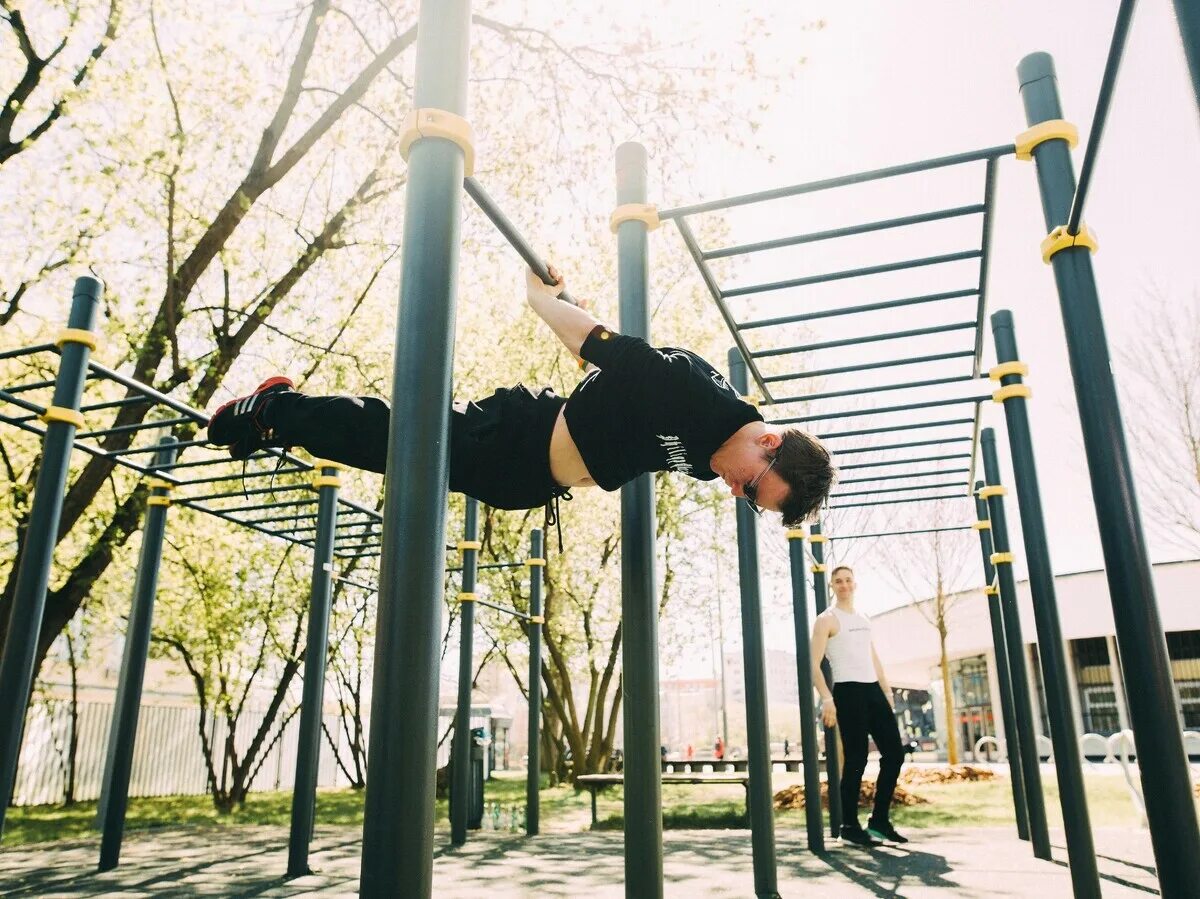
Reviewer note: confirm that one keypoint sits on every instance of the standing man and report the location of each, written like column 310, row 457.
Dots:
column 860, row 705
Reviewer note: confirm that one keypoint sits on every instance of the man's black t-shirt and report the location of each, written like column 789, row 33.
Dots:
column 650, row 408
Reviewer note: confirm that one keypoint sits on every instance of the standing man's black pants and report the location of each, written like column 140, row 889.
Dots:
column 862, row 710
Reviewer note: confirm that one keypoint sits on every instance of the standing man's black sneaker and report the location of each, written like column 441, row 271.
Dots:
column 239, row 423
column 858, row 836
column 885, row 831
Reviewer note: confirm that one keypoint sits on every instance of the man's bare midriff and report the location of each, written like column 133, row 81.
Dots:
column 566, row 464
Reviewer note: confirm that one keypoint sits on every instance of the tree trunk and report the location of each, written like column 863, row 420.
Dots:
column 948, row 699
column 73, row 736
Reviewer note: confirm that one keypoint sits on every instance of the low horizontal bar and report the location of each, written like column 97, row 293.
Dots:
column 848, row 231
column 883, row 410
column 869, row 366
column 906, row 475
column 863, row 272
column 896, row 446
column 491, row 605
column 855, row 310
column 909, row 489
column 840, row 181
column 905, row 461
column 907, row 427
column 896, row 502
column 964, row 527
column 869, row 338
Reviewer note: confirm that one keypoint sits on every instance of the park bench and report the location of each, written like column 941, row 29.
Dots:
column 594, row 783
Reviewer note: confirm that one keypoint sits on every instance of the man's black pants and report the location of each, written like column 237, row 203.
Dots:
column 862, row 710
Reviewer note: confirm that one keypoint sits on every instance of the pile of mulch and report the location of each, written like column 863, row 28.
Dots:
column 793, row 797
column 915, row 777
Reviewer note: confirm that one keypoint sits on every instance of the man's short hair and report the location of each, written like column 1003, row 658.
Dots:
column 833, row 573
column 804, row 464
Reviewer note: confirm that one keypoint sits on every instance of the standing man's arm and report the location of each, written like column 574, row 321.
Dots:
column 820, row 639
column 571, row 324
column 883, row 681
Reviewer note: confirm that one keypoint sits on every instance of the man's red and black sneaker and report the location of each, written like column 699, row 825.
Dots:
column 239, row 425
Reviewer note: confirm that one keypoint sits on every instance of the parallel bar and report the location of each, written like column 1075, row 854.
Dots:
column 863, row 272
column 868, row 366
column 460, row 747
column 808, row 717
column 849, row 231
column 533, row 772
column 251, row 491
column 868, row 338
column 896, row 502
column 841, row 181
column 909, row 489
column 896, row 446
column 854, row 310
column 902, row 462
column 985, row 241
column 911, row 426
column 833, row 767
column 505, row 609
column 134, row 451
column 140, row 426
column 7, row 396
column 965, row 527
column 905, row 476
column 879, row 388
column 883, row 410
column 29, row 350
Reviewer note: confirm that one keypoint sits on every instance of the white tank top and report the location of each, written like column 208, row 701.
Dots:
column 849, row 650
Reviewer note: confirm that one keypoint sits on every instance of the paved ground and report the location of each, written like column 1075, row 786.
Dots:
column 245, row 862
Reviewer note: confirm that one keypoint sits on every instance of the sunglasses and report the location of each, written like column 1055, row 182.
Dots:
column 750, row 491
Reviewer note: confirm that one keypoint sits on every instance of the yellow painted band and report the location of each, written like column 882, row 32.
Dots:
column 1011, row 392
column 647, row 213
column 77, row 335
column 818, row 538
column 795, row 534
column 431, row 122
column 158, row 501
column 1059, row 239
column 325, row 463
column 995, row 490
column 159, row 483
column 536, row 619
column 1000, row 558
column 535, row 562
column 989, row 590
column 1008, row 368
column 1054, row 129
column 326, row 481
column 982, row 525
column 467, row 597
column 469, row 544
column 818, row 569
column 63, row 414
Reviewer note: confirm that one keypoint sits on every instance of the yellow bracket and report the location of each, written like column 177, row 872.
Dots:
column 647, row 213
column 76, row 335
column 999, row 558
column 818, row 538
column 1059, row 239
column 158, row 501
column 995, row 490
column 818, row 569
column 326, row 481
column 63, row 414
column 1012, row 391
column 535, row 562
column 431, row 122
column 159, row 483
column 982, row 526
column 795, row 534
column 318, row 464
column 469, row 544
column 467, row 597
column 536, row 619
column 1008, row 368
column 1054, row 129
column 989, row 590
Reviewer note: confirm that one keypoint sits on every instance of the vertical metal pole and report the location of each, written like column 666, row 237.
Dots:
column 29, row 597
column 639, row 597
column 808, row 720
column 1118, row 682
column 1166, row 784
column 1012, row 735
column 397, row 854
column 316, row 649
column 1187, row 14
column 759, row 796
column 1018, row 669
column 537, row 569
column 460, row 764
column 118, row 763
column 833, row 765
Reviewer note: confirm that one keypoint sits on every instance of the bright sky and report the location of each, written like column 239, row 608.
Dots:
column 887, row 83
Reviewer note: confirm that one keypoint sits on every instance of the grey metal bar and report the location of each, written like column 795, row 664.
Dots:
column 505, row 609
column 316, row 650
column 808, row 720
column 910, row 426
column 33, row 574
column 863, row 272
column 138, row 450
column 965, row 527
column 639, row 595
column 840, row 181
column 833, row 768
column 878, row 388
column 758, row 729
column 848, row 231
column 28, row 406
column 854, row 310
column 895, row 446
column 251, row 491
column 460, row 747
column 882, row 490
column 868, row 366
column 118, row 763
column 140, row 426
column 533, row 771
column 868, row 338
column 985, row 242
column 896, row 502
column 884, row 462
column 883, row 410
column 28, row 350
column 903, row 477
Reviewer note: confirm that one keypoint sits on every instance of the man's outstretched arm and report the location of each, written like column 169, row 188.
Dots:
column 572, row 324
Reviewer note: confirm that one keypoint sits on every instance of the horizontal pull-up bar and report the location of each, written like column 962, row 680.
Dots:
column 852, row 273
column 912, row 426
column 246, row 524
column 882, row 490
column 965, row 527
column 855, row 310
column 29, row 351
column 848, row 231
column 896, row 502
column 869, row 338
column 896, row 446
column 373, row 588
column 868, row 366
column 505, row 609
column 139, row 450
column 882, row 410
column 907, row 475
column 252, row 491
column 904, row 461
column 234, row 476
column 879, row 388
column 809, row 187
column 492, row 565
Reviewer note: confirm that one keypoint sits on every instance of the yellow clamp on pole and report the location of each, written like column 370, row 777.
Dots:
column 536, row 619
column 991, row 590
column 1054, row 129
column 1008, row 368
column 818, row 569
column 61, row 413
column 431, row 122
column 818, row 538
column 159, row 483
column 318, row 464
column 1012, row 391
column 326, row 481
column 535, row 562
column 647, row 213
column 994, row 490
column 1059, row 239
column 469, row 544
column 981, row 526
column 158, row 501
column 76, row 335
column 999, row 558
column 795, row 534
column 467, row 597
